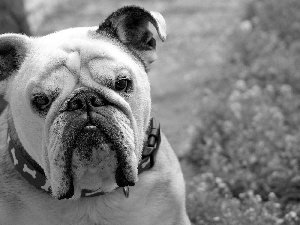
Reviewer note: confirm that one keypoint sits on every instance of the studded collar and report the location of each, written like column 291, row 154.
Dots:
column 35, row 175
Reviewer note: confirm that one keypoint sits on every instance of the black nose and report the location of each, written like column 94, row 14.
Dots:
column 85, row 100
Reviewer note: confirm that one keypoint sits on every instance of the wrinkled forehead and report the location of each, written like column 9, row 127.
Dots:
column 77, row 58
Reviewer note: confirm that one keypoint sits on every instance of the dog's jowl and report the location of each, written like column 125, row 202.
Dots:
column 78, row 145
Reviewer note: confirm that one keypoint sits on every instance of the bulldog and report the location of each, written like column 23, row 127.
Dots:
column 77, row 143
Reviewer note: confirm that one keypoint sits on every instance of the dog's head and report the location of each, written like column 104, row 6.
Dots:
column 79, row 99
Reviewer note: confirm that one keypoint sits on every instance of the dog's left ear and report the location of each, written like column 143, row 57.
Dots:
column 130, row 25
column 13, row 49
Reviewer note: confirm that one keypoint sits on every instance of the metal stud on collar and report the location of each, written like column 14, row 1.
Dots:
column 126, row 191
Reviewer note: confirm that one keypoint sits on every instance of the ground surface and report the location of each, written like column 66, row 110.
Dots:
column 192, row 52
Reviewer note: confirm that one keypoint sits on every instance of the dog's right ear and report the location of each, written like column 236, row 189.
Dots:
column 13, row 49
column 130, row 25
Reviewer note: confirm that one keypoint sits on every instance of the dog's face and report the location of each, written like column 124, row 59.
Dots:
column 79, row 99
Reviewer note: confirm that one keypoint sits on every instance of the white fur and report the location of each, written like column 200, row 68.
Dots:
column 66, row 60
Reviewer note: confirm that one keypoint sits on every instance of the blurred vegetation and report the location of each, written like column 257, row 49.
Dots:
column 13, row 17
column 248, row 138
column 210, row 202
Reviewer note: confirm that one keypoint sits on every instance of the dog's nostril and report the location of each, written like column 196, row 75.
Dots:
column 96, row 102
column 75, row 104
column 85, row 101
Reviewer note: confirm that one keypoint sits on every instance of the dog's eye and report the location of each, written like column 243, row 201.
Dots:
column 41, row 101
column 122, row 84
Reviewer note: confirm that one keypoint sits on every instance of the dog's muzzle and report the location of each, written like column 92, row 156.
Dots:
column 85, row 100
column 91, row 130
column 35, row 175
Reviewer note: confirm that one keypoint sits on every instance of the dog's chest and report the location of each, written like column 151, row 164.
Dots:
column 133, row 211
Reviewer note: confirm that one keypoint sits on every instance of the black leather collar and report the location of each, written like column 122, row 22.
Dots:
column 37, row 178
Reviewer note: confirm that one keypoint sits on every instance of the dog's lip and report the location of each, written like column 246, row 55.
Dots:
column 90, row 126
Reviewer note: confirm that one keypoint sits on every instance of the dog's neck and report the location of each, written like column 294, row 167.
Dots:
column 35, row 175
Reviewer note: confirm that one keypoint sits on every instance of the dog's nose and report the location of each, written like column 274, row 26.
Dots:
column 85, row 101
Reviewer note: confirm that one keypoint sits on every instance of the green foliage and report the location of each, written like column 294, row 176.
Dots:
column 210, row 202
column 277, row 16
column 249, row 131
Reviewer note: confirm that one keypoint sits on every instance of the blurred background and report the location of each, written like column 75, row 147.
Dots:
column 226, row 89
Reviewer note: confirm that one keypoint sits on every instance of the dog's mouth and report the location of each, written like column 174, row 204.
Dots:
column 94, row 151
column 94, row 161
